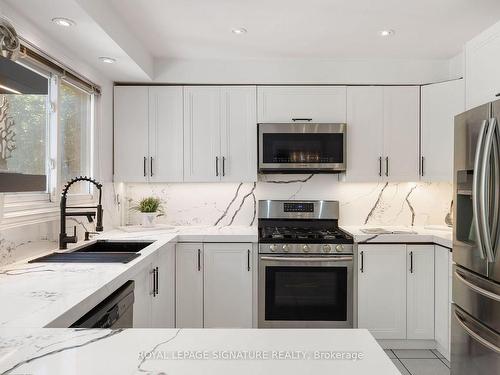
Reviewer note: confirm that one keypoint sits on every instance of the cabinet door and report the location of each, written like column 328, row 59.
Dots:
column 163, row 304
column 440, row 103
column 420, row 292
column 382, row 290
column 131, row 134
column 239, row 134
column 228, row 285
column 482, row 70
column 166, row 134
column 285, row 103
column 143, row 289
column 202, row 117
column 189, row 285
column 442, row 299
column 401, row 133
column 365, row 122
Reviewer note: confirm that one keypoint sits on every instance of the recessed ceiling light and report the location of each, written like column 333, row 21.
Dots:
column 239, row 30
column 388, row 32
column 107, row 60
column 65, row 22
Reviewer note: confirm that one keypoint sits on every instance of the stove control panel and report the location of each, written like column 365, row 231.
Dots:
column 298, row 207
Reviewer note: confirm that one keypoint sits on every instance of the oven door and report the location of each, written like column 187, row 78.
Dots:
column 302, row 147
column 305, row 292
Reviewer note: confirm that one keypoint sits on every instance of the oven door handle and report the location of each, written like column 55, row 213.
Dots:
column 308, row 259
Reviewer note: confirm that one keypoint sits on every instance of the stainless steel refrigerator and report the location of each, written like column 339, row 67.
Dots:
column 475, row 312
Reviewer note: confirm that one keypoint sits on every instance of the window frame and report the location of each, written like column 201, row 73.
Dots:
column 19, row 207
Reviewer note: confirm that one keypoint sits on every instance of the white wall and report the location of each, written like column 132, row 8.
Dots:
column 324, row 71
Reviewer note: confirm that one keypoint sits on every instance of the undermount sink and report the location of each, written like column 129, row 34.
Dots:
column 105, row 246
column 102, row 251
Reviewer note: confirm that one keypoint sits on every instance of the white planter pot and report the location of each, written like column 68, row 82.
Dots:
column 148, row 219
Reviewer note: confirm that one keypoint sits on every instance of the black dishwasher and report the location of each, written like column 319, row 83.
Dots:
column 116, row 311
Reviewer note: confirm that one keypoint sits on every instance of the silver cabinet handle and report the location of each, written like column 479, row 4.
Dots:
column 302, row 119
column 387, row 166
column 309, row 259
column 144, row 165
column 476, row 207
column 422, row 166
column 484, row 292
column 380, row 166
column 475, row 336
column 484, row 189
column 153, row 275
column 248, row 260
column 199, row 260
column 217, row 166
column 157, row 281
column 411, row 261
column 362, row 269
column 223, row 166
column 151, row 166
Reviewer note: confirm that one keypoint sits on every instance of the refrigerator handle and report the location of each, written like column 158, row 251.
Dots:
column 476, row 208
column 474, row 335
column 496, row 197
column 484, row 190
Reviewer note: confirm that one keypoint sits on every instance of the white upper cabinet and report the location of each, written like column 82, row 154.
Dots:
column 228, row 285
column 401, row 133
column 165, row 134
column 148, row 134
column 239, row 134
column 482, row 70
column 420, row 292
column 365, row 129
column 220, row 134
column 131, row 150
column 314, row 103
column 202, row 118
column 441, row 102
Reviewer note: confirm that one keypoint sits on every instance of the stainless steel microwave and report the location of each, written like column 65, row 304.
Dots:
column 302, row 148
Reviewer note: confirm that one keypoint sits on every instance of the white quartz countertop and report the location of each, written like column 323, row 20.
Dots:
column 192, row 351
column 57, row 294
column 439, row 235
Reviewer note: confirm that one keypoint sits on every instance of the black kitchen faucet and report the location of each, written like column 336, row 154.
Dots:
column 64, row 239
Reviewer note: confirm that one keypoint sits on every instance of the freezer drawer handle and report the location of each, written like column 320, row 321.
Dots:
column 475, row 336
column 477, row 289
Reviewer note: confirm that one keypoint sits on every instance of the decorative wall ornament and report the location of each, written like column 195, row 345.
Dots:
column 9, row 41
column 7, row 133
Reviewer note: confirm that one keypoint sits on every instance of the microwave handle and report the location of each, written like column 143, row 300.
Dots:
column 302, row 119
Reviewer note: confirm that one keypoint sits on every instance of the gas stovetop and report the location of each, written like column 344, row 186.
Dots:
column 296, row 234
column 306, row 227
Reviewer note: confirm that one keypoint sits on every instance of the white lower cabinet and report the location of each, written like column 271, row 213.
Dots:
column 227, row 285
column 420, row 292
column 189, row 285
column 396, row 290
column 442, row 298
column 214, row 285
column 154, row 302
column 382, row 290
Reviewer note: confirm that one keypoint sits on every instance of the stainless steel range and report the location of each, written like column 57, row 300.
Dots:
column 305, row 266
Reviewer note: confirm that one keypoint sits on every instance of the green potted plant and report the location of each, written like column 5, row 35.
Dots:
column 149, row 209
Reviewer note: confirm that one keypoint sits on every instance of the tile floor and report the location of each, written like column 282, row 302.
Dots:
column 419, row 362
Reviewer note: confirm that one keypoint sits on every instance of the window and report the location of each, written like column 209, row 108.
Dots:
column 75, row 124
column 46, row 129
column 24, row 96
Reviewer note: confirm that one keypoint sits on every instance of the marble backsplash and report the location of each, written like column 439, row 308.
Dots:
column 235, row 203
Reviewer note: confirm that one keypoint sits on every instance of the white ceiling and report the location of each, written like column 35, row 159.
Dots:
column 141, row 32
column 201, row 29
